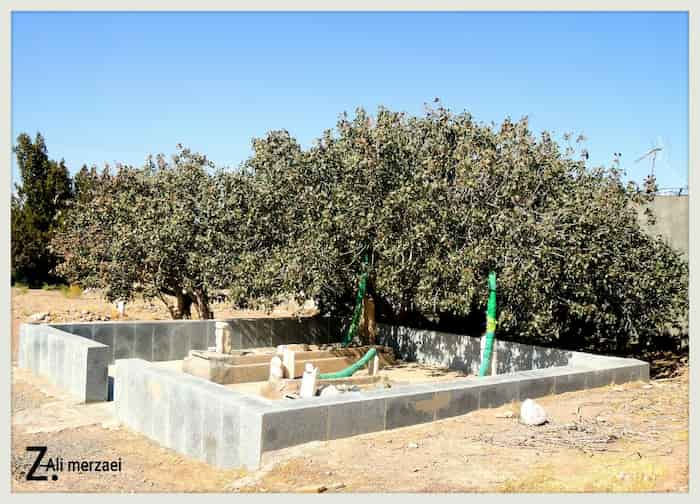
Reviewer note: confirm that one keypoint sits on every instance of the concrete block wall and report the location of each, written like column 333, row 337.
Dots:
column 74, row 363
column 152, row 341
column 463, row 353
column 192, row 416
column 229, row 429
column 165, row 340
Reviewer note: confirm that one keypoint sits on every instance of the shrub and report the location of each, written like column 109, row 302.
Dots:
column 71, row 291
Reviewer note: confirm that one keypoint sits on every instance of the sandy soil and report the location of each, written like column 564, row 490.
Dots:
column 621, row 438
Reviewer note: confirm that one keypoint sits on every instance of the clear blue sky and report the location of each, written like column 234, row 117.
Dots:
column 106, row 87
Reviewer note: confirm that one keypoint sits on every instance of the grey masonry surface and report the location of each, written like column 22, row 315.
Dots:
column 173, row 339
column 76, row 356
column 230, row 429
column 463, row 353
column 76, row 364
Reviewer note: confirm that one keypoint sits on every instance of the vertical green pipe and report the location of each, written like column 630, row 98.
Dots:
column 352, row 330
column 490, row 325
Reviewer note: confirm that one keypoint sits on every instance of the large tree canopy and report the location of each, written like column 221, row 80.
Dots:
column 433, row 202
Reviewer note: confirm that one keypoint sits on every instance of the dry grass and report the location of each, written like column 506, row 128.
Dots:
column 72, row 291
column 639, row 475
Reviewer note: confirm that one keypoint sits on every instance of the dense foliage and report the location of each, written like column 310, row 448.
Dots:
column 434, row 203
column 35, row 210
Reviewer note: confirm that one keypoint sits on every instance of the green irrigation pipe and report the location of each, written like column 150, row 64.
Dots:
column 350, row 370
column 490, row 325
column 352, row 330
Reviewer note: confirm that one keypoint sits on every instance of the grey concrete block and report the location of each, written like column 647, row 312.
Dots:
column 411, row 409
column 627, row 374
column 497, row 394
column 229, row 443
column 456, row 401
column 284, row 331
column 295, row 426
column 251, row 436
column 211, row 428
column 549, row 357
column 644, row 372
column 255, row 332
column 140, row 402
column 358, row 417
column 95, row 381
column 160, row 391
column 61, row 364
column 513, row 357
column 82, row 330
column 71, row 360
column 535, row 386
column 143, row 341
column 571, row 381
column 78, row 374
column 52, row 354
column 124, row 339
column 104, row 333
column 198, row 336
column 180, row 334
column 601, row 378
column 161, row 344
column 210, row 333
column 35, row 355
column 176, row 419
column 43, row 359
column 194, row 404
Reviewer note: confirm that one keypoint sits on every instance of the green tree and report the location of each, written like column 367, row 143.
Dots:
column 36, row 210
column 168, row 230
column 433, row 202
column 436, row 202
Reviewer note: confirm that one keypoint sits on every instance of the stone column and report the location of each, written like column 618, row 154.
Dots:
column 224, row 338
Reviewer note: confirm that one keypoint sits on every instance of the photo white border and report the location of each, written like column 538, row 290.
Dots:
column 359, row 5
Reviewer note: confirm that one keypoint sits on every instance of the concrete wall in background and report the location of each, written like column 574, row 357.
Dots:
column 463, row 353
column 165, row 340
column 671, row 221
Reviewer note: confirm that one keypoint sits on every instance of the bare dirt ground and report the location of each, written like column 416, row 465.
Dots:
column 613, row 439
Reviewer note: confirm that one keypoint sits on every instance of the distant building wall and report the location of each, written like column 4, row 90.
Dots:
column 671, row 221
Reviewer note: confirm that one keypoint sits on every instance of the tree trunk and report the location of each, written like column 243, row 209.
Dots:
column 203, row 309
column 184, row 305
column 368, row 322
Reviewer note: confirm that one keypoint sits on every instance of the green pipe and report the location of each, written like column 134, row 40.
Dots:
column 490, row 325
column 350, row 370
column 352, row 330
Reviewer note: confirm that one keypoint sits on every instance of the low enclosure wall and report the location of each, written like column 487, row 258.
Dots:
column 77, row 364
column 463, row 353
column 151, row 341
column 228, row 428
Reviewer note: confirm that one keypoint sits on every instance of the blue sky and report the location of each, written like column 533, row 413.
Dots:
column 106, row 87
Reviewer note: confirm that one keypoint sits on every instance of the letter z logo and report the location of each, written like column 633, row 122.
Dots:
column 41, row 450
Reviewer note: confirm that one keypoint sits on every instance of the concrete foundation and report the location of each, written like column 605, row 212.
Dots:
column 227, row 428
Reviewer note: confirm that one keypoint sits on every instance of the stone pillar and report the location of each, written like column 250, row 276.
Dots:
column 224, row 338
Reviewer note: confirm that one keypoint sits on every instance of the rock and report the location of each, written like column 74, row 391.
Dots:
column 38, row 317
column 330, row 391
column 532, row 413
column 412, row 445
